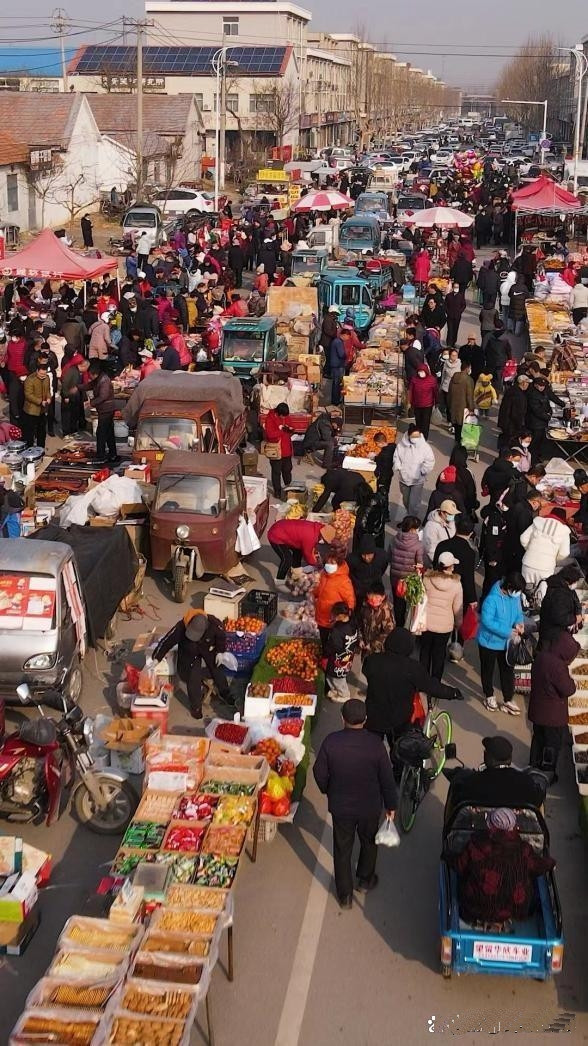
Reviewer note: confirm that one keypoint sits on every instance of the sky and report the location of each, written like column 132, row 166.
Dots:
column 453, row 39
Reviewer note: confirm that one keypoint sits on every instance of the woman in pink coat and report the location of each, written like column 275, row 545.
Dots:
column 421, row 266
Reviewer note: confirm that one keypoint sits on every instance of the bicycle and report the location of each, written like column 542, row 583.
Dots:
column 423, row 755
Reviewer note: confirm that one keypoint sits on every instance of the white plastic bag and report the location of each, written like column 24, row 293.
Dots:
column 227, row 660
column 247, row 540
column 387, row 834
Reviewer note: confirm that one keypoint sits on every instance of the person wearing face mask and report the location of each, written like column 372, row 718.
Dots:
column 446, row 489
column 100, row 345
column 422, row 394
column 455, row 304
column 501, row 618
column 376, row 620
column 334, row 586
column 539, row 399
column 463, row 549
column 523, row 443
column 444, row 613
column 366, row 566
column 439, row 527
column 413, row 461
column 460, row 398
column 340, row 650
column 451, row 366
column 518, row 519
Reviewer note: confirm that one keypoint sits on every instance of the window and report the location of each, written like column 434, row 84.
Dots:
column 230, row 25
column 233, row 490
column 12, row 192
column 231, row 103
column 366, row 298
column 199, row 100
column 350, row 294
column 262, row 103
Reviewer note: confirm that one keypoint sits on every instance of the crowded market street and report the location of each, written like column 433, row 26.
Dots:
column 305, row 970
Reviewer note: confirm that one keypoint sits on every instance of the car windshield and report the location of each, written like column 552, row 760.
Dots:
column 369, row 205
column 245, row 347
column 353, row 233
column 411, row 203
column 140, row 220
column 166, row 434
column 188, row 494
column 307, row 264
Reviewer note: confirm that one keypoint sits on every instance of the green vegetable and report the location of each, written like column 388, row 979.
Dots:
column 415, row 590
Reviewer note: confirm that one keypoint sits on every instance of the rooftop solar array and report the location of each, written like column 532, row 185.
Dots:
column 178, row 61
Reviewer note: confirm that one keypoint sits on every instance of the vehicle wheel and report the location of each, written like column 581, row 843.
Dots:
column 409, row 797
column 180, row 582
column 73, row 683
column 445, row 971
column 114, row 819
column 440, row 732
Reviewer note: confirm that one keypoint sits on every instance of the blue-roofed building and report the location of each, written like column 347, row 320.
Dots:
column 32, row 68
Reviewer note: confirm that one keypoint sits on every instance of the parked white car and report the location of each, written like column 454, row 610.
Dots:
column 182, row 200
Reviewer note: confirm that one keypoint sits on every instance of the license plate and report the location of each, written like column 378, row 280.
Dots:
column 159, row 457
column 494, row 951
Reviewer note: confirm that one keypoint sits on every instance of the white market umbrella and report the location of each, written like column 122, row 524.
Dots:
column 323, row 200
column 443, row 217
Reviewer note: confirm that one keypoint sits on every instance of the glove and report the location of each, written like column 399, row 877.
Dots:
column 457, row 695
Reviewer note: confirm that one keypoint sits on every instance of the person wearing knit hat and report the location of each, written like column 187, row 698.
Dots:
column 199, row 638
column 495, row 873
column 497, row 782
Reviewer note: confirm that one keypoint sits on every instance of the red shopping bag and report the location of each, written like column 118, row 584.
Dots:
column 418, row 712
column 469, row 625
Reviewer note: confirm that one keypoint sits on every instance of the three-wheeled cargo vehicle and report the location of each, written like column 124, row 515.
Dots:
column 247, row 343
column 198, row 502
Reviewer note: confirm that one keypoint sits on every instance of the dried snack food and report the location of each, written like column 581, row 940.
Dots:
column 166, row 1002
column 215, row 787
column 131, row 1031
column 154, row 967
column 96, row 936
column 84, row 965
column 197, row 807
column 182, row 866
column 224, row 840
column 184, row 838
column 156, row 806
column 177, row 944
column 144, row 835
column 216, row 871
column 196, row 897
column 234, row 809
column 42, row 1029
column 81, row 996
column 185, row 921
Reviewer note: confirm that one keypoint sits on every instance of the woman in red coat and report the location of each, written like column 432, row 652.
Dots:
column 277, row 430
column 421, row 266
column 422, row 393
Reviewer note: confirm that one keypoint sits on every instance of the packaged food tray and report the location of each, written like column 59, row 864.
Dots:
column 280, row 701
column 71, row 964
column 83, row 932
column 200, row 946
column 49, row 1019
column 168, row 968
column 86, row 996
column 149, row 998
column 224, row 742
column 130, row 1029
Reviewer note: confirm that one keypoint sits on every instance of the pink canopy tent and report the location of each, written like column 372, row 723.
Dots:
column 48, row 257
column 545, row 196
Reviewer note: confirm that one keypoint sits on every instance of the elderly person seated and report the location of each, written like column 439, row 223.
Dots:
column 496, row 870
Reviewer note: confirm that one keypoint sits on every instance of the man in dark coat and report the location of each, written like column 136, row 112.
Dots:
column 503, row 474
column 580, row 517
column 338, row 360
column 498, row 351
column 236, row 260
column 475, row 355
column 455, row 304
column 460, row 546
column 170, row 359
column 366, row 565
column 320, row 435
column 181, row 307
column 414, row 357
column 519, row 518
column 539, row 399
column 384, row 462
column 551, row 685
column 512, row 414
column 353, row 770
column 389, row 710
column 560, row 608
column 342, row 485
column 86, row 227
column 499, row 784
column 462, row 271
column 199, row 637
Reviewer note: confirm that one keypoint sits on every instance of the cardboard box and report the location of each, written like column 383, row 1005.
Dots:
column 128, row 762
column 102, row 521
column 14, row 937
column 18, row 897
column 140, row 473
column 124, row 734
column 11, row 848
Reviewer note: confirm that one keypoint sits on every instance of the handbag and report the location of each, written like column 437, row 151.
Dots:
column 246, row 540
column 469, row 625
column 272, row 451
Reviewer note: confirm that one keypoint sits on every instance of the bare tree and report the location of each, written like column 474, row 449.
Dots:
column 279, row 106
column 71, row 193
column 534, row 74
column 43, row 182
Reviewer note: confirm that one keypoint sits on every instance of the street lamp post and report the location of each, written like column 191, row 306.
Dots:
column 581, row 68
column 527, row 101
column 219, row 66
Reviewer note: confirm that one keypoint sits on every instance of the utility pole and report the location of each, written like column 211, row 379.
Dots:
column 60, row 22
column 139, row 27
column 222, row 101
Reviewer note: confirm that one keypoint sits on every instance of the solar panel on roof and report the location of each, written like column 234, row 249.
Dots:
column 169, row 60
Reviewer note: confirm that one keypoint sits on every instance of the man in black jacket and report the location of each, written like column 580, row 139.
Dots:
column 342, row 485
column 384, row 462
column 103, row 401
column 520, row 516
column 461, row 547
column 498, row 351
column 366, row 565
column 560, row 608
column 353, row 770
column 539, row 399
column 389, row 709
column 236, row 260
column 580, row 518
column 503, row 475
column 498, row 784
column 199, row 637
column 320, row 435
column 512, row 414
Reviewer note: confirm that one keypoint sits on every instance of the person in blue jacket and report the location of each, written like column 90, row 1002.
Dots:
column 337, row 361
column 501, row 617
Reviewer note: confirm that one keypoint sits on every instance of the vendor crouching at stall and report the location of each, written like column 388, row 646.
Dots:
column 199, row 637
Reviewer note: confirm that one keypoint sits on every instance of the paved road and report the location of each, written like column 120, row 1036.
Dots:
column 305, row 971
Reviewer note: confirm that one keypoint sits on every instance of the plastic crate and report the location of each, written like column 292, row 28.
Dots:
column 261, row 604
column 255, row 644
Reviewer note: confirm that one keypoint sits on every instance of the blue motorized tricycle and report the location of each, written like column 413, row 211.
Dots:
column 532, row 947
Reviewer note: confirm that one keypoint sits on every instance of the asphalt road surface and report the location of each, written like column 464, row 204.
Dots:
column 305, row 971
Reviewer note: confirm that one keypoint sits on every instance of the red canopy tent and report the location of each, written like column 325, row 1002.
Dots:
column 544, row 196
column 48, row 257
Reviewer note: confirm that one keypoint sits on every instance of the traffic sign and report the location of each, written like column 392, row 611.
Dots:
column 545, row 143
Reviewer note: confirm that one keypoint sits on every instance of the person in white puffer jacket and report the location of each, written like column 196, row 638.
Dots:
column 505, row 286
column 413, row 460
column 547, row 544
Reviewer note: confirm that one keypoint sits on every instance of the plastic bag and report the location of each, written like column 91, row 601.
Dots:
column 387, row 834
column 246, row 540
column 469, row 625
column 416, row 618
column 131, row 677
column 227, row 660
column 520, row 651
column 148, row 683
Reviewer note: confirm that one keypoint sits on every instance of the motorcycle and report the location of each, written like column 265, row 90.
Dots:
column 41, row 762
